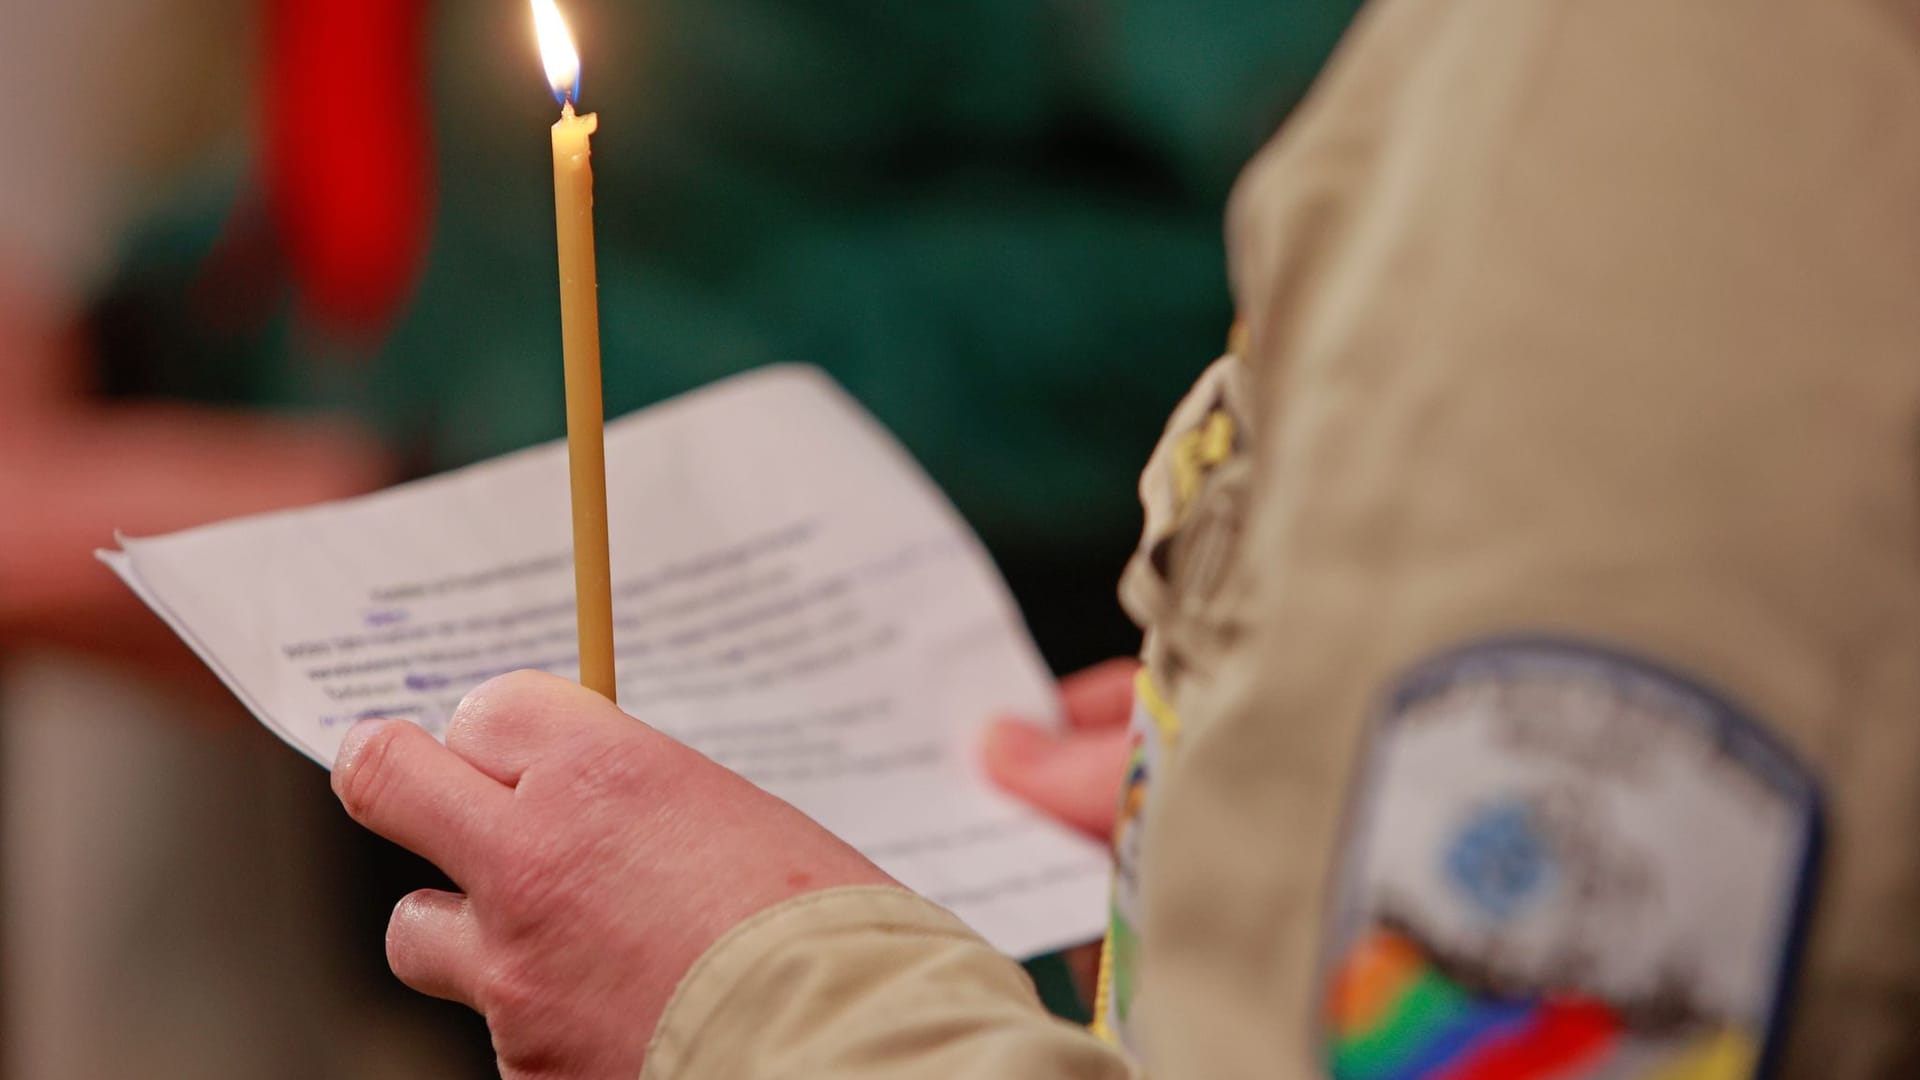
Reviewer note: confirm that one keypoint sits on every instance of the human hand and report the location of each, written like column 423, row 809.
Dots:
column 72, row 470
column 599, row 860
column 1074, row 775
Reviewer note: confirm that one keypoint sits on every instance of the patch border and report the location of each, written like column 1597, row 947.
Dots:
column 1768, row 755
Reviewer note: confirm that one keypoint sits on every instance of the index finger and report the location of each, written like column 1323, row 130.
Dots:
column 393, row 778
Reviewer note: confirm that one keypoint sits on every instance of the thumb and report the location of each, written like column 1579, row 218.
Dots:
column 1074, row 777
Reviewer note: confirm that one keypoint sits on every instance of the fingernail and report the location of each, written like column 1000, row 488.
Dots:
column 355, row 739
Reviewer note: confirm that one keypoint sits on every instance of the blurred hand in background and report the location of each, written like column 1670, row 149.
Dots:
column 74, row 469
column 1073, row 775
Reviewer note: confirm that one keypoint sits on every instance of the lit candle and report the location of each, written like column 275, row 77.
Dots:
column 580, row 335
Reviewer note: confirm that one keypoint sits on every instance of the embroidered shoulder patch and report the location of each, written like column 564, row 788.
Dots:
column 1566, row 863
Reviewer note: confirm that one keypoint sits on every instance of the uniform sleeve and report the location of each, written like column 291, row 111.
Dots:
column 1592, row 322
column 865, row 983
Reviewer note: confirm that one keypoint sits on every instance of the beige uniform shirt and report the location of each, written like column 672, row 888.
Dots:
column 1533, row 624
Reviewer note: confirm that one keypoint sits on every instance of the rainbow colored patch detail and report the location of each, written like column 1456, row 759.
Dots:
column 1393, row 1015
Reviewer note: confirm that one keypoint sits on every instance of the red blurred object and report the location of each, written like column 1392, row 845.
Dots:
column 349, row 162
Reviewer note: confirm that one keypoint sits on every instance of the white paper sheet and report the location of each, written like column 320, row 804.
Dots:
column 792, row 596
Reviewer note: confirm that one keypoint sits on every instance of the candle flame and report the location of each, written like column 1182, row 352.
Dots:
column 557, row 51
